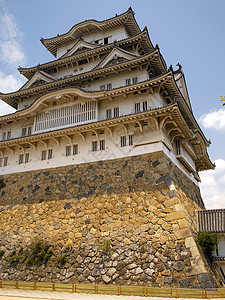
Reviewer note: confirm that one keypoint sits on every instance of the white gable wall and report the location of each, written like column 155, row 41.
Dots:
column 118, row 33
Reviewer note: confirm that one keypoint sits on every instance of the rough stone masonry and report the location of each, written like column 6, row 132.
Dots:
column 122, row 221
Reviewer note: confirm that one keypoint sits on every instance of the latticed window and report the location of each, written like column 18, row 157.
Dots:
column 26, row 160
column 68, row 150
column 102, row 145
column 49, row 153
column 75, row 149
column 134, row 80
column 5, row 162
column 130, row 139
column 108, row 114
column 123, row 141
column 109, row 86
column 21, row 159
column 178, row 150
column 128, row 81
column 145, row 105
column 66, row 116
column 94, row 146
column 43, row 155
column 116, row 112
column 137, row 107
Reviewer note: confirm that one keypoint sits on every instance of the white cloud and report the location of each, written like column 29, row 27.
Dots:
column 10, row 49
column 214, row 119
column 9, row 83
column 213, row 186
column 11, row 52
column 8, row 27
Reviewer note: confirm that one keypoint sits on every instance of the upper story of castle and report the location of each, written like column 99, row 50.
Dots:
column 106, row 77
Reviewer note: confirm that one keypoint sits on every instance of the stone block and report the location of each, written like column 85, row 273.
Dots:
column 182, row 233
column 175, row 216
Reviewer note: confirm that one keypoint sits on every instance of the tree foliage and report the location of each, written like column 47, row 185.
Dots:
column 208, row 242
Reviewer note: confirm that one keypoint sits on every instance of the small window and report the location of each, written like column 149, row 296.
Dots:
column 28, row 131
column 24, row 132
column 137, row 107
column 94, row 146
column 68, row 150
column 106, row 40
column 102, row 145
column 123, row 141
column 130, row 139
column 108, row 114
column 75, row 149
column 109, row 86
column 178, row 147
column 26, row 158
column 128, row 81
column 116, row 112
column 1, row 161
column 102, row 87
column 145, row 104
column 8, row 135
column 134, row 80
column 4, row 136
column 49, row 153
column 21, row 159
column 43, row 155
column 5, row 162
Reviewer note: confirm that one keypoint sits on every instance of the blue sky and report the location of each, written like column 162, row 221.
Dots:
column 187, row 31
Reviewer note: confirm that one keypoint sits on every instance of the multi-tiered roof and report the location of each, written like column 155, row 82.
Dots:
column 81, row 61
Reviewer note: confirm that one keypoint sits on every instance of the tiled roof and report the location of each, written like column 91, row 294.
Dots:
column 211, row 220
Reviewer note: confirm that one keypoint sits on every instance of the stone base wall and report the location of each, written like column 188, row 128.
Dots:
column 123, row 221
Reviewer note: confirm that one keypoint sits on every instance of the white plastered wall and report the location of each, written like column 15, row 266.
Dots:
column 118, row 33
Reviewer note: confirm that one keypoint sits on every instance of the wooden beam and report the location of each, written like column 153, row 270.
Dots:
column 140, row 125
column 82, row 135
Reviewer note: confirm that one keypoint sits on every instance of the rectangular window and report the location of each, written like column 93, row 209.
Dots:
column 137, row 107
column 102, row 87
column 128, row 81
column 4, row 136
column 75, row 149
column 123, row 141
column 0, row 162
column 43, row 154
column 49, row 153
column 130, row 139
column 68, row 150
column 26, row 158
column 8, row 135
column 21, row 159
column 145, row 106
column 116, row 112
column 94, row 146
column 109, row 86
column 178, row 147
column 134, row 80
column 24, row 132
column 102, row 145
column 106, row 40
column 108, row 114
column 5, row 162
column 28, row 131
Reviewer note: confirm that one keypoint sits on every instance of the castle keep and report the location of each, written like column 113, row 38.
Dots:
column 101, row 160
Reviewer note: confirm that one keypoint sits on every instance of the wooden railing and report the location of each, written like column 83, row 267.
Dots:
column 115, row 289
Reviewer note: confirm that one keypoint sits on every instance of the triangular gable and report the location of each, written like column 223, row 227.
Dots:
column 80, row 45
column 37, row 79
column 115, row 56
